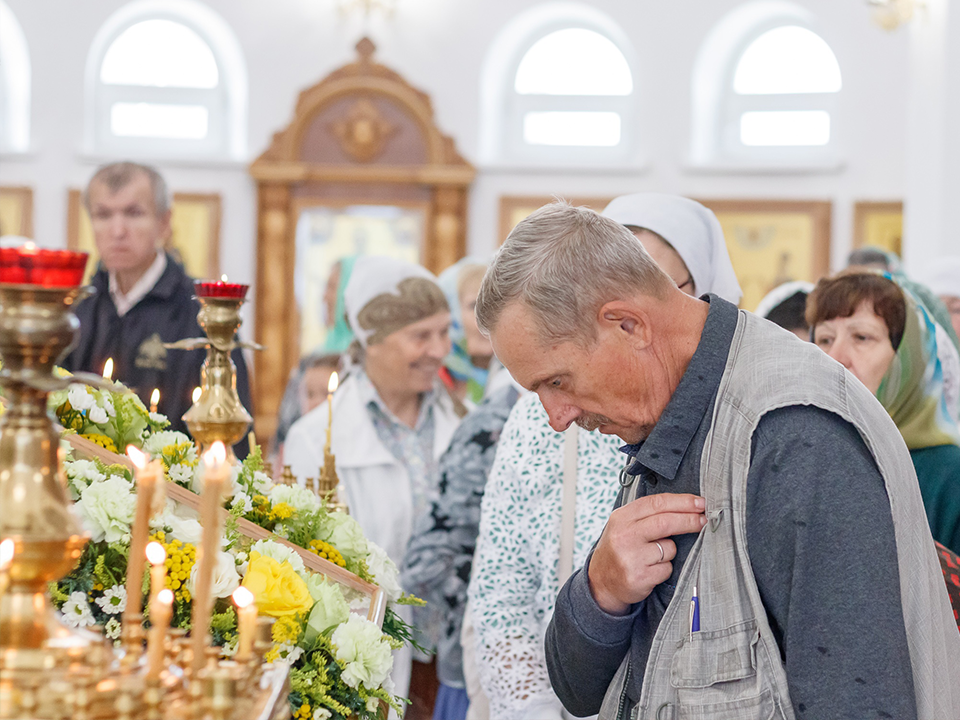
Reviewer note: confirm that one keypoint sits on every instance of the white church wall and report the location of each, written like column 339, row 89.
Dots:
column 441, row 46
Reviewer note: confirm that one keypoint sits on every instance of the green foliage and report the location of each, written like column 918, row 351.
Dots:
column 400, row 632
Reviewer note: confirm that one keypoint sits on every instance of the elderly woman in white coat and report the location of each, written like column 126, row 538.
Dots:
column 392, row 419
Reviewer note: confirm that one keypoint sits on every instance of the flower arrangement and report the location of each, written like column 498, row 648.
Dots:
column 340, row 662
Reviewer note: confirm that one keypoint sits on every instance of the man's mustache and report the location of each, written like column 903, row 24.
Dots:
column 592, row 421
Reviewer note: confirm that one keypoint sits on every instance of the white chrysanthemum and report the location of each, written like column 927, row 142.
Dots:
column 372, row 704
column 262, row 483
column 384, row 571
column 278, row 552
column 181, row 474
column 98, row 415
column 114, row 600
column 288, row 654
column 345, row 534
column 80, row 398
column 112, row 629
column 242, row 500
column 158, row 418
column 299, row 498
column 80, row 474
column 158, row 441
column 366, row 656
column 322, row 714
column 107, row 509
column 108, row 405
column 76, row 610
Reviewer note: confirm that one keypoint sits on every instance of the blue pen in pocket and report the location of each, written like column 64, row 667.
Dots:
column 694, row 613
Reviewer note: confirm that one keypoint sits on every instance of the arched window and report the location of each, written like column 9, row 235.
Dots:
column 559, row 89
column 776, row 94
column 784, row 90
column 166, row 85
column 14, row 84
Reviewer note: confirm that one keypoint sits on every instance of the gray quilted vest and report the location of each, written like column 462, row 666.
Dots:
column 731, row 668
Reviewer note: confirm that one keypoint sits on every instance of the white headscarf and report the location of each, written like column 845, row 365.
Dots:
column 943, row 276
column 372, row 276
column 780, row 293
column 692, row 230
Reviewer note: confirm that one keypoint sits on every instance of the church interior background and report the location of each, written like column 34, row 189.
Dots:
column 293, row 131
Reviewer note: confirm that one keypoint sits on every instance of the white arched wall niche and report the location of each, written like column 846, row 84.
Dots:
column 712, row 83
column 14, row 84
column 212, row 28
column 503, row 57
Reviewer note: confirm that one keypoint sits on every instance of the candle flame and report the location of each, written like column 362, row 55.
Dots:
column 156, row 555
column 6, row 553
column 216, row 455
column 108, row 369
column 165, row 596
column 155, row 397
column 196, row 393
column 30, row 245
column 137, row 457
column 242, row 597
column 334, row 382
column 223, row 278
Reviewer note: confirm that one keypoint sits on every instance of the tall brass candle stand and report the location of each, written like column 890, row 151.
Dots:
column 218, row 413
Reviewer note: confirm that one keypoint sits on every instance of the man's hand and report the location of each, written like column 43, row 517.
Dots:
column 627, row 563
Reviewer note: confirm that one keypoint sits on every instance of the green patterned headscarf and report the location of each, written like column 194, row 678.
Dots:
column 912, row 388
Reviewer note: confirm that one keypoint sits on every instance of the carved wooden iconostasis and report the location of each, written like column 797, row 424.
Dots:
column 194, row 232
column 361, row 169
column 770, row 241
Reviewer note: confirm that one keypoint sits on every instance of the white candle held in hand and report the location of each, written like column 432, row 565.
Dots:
column 157, row 557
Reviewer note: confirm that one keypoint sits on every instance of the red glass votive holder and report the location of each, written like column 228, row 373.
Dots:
column 30, row 265
column 219, row 289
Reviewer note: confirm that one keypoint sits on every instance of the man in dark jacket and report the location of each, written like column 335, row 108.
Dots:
column 143, row 298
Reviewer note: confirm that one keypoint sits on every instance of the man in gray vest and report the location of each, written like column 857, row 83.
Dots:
column 769, row 556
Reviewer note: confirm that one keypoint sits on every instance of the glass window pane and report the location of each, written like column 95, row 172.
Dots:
column 804, row 127
column 574, row 62
column 160, row 53
column 590, row 129
column 787, row 59
column 180, row 122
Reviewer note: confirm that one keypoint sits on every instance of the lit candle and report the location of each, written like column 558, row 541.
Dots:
column 196, row 394
column 331, row 389
column 108, row 369
column 6, row 559
column 220, row 289
column 216, row 471
column 147, row 475
column 246, row 622
column 154, row 400
column 157, row 557
column 161, row 610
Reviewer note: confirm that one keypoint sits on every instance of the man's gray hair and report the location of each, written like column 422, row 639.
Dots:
column 118, row 175
column 565, row 263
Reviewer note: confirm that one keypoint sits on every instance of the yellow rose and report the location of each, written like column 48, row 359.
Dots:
column 278, row 590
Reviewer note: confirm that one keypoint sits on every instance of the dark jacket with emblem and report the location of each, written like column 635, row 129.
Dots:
column 135, row 342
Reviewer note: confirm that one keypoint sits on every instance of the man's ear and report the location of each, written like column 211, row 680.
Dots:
column 628, row 321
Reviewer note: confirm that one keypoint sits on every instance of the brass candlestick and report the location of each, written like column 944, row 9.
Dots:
column 329, row 482
column 37, row 326
column 218, row 413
